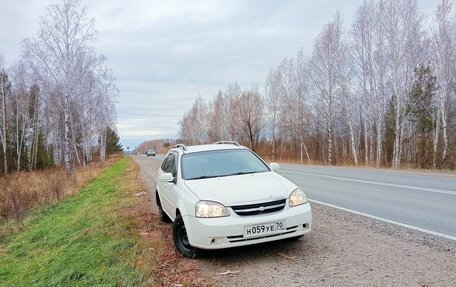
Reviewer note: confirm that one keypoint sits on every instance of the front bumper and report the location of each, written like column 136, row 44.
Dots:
column 226, row 232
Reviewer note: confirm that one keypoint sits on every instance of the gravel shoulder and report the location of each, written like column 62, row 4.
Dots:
column 343, row 249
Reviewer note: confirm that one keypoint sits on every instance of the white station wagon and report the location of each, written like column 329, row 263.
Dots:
column 224, row 195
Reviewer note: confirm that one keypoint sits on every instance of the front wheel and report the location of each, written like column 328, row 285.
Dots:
column 181, row 241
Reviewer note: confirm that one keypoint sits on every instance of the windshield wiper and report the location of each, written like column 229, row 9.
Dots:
column 223, row 175
column 244, row 172
column 203, row 177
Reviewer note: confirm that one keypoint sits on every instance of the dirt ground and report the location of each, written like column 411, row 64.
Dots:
column 342, row 250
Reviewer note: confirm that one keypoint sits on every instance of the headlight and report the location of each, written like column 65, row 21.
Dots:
column 208, row 209
column 297, row 197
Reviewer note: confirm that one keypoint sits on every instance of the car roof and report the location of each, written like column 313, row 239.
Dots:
column 209, row 147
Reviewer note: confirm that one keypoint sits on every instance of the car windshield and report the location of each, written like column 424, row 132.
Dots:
column 219, row 163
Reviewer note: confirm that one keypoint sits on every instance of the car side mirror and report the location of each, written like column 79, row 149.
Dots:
column 274, row 166
column 166, row 177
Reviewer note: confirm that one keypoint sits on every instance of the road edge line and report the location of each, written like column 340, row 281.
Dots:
column 453, row 238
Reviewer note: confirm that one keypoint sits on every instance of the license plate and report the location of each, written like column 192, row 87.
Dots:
column 264, row 229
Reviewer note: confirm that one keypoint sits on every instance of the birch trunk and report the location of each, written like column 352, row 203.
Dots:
column 36, row 142
column 350, row 128
column 304, row 147
column 378, row 156
column 4, row 125
column 307, row 153
column 444, row 131
column 401, row 138
column 74, row 140
column 330, row 146
column 366, row 149
column 84, row 150
column 29, row 145
column 20, row 134
column 371, row 146
column 353, row 146
column 103, row 145
column 66, row 137
column 273, row 146
column 33, row 138
column 397, row 131
column 436, row 139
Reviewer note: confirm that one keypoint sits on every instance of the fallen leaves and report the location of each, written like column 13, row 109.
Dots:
column 170, row 268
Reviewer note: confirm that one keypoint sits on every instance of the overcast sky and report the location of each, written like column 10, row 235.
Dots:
column 165, row 54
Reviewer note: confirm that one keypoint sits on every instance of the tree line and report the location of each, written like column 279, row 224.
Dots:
column 381, row 93
column 57, row 101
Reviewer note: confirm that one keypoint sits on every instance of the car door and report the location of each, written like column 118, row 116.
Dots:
column 168, row 189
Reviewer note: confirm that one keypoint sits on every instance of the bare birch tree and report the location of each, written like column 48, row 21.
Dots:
column 195, row 124
column 58, row 53
column 363, row 48
column 300, row 109
column 218, row 119
column 444, row 46
column 326, row 78
column 403, row 36
column 233, row 91
column 34, row 127
column 21, row 110
column 272, row 102
column 286, row 72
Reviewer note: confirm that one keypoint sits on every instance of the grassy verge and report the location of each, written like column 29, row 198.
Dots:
column 87, row 240
column 25, row 191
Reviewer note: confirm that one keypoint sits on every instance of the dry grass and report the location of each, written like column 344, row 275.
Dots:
column 26, row 190
column 158, row 256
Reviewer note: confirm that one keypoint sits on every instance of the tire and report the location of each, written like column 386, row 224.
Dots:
column 161, row 213
column 180, row 239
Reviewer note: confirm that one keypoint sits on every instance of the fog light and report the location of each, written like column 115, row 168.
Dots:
column 218, row 240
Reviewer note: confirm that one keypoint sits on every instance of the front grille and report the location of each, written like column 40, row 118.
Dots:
column 259, row 208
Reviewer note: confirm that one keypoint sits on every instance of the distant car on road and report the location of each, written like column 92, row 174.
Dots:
column 150, row 152
column 223, row 195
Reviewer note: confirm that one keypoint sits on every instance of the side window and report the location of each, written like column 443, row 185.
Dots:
column 165, row 163
column 172, row 168
column 169, row 164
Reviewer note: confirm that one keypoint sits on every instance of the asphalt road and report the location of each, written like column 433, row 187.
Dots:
column 423, row 201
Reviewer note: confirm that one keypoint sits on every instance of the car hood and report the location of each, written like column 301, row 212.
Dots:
column 241, row 189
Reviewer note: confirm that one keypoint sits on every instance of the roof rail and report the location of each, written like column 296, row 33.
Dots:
column 181, row 146
column 227, row 142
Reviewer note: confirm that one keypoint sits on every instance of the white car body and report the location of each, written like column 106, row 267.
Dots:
column 179, row 196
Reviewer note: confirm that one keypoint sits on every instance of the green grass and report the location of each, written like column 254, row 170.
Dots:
column 83, row 241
